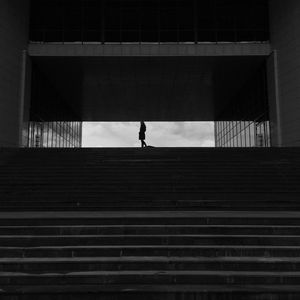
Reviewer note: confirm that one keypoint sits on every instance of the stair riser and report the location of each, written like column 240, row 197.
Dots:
column 234, row 230
column 148, row 240
column 95, row 294
column 151, row 251
column 158, row 279
column 149, row 209
column 145, row 266
column 146, row 219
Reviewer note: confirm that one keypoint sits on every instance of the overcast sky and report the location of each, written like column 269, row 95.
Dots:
column 159, row 134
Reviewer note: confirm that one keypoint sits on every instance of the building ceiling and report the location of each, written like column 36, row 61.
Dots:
column 146, row 88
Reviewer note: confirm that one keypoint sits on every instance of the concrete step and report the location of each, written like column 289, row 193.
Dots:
column 156, row 277
column 85, row 264
column 190, row 166
column 150, row 251
column 163, row 208
column 205, row 239
column 149, row 170
column 152, row 292
column 150, row 208
column 183, row 263
column 150, row 230
column 185, row 180
column 138, row 185
column 135, row 201
column 169, row 292
column 220, row 201
column 247, row 218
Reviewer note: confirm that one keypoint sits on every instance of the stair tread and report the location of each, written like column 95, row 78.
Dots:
column 149, row 288
column 30, row 236
column 148, row 215
column 156, row 272
column 151, row 259
column 154, row 247
column 175, row 226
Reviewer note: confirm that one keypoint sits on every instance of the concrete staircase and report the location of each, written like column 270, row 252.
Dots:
column 188, row 224
column 150, row 179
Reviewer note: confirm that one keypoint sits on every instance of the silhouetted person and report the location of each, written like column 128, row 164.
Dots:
column 142, row 135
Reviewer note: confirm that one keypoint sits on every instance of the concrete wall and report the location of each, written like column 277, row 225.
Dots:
column 285, row 39
column 14, row 18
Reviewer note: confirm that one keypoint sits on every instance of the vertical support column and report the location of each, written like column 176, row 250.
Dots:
column 274, row 100
column 103, row 21
column 196, row 21
column 24, row 101
column 22, row 96
column 158, row 21
column 285, row 39
column 14, row 24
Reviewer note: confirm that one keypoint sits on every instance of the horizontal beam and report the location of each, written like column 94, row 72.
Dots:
column 203, row 49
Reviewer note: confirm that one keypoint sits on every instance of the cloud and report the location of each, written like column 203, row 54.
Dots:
column 159, row 134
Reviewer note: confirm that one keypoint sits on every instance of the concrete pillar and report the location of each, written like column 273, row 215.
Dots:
column 14, row 26
column 274, row 100
column 25, row 97
column 285, row 40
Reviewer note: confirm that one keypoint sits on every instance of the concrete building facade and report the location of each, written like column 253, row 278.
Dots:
column 232, row 63
column 14, row 30
column 285, row 41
